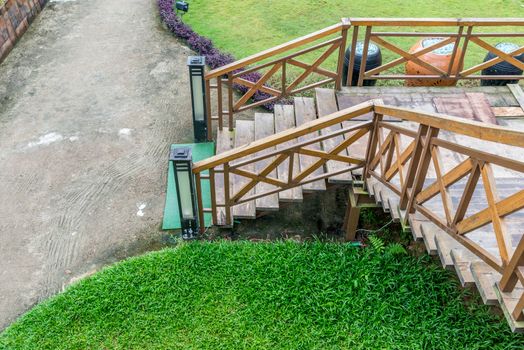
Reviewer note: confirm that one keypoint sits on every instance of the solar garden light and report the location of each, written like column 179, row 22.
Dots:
column 196, row 66
column 182, row 6
column 181, row 159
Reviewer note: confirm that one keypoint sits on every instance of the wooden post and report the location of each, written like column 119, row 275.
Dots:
column 364, row 57
column 200, row 205
column 346, row 24
column 219, row 103
column 421, row 172
column 371, row 149
column 212, row 184
column 230, row 100
column 413, row 165
column 351, row 217
column 227, row 194
column 209, row 122
column 354, row 40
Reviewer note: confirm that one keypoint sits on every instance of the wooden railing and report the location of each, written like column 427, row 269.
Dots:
column 274, row 63
column 330, row 41
column 223, row 168
column 465, row 34
column 398, row 157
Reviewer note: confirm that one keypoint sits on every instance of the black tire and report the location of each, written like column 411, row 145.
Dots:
column 502, row 68
column 373, row 60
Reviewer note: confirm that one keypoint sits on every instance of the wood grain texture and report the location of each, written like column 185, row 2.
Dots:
column 284, row 120
column 305, row 112
column 265, row 126
column 244, row 134
column 326, row 105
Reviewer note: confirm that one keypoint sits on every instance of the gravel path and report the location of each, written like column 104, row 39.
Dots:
column 90, row 99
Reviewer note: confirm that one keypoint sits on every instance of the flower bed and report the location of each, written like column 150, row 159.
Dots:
column 204, row 47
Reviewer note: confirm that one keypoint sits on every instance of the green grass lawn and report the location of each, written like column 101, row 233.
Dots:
column 265, row 296
column 249, row 26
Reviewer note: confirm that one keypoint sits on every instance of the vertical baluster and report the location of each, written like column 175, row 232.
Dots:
column 413, row 165
column 352, row 56
column 341, row 52
column 455, row 49
column 421, row 171
column 364, row 57
column 371, row 149
column 213, row 195
column 230, row 100
column 283, row 78
column 209, row 122
column 200, row 205
column 227, row 194
column 219, row 103
column 463, row 53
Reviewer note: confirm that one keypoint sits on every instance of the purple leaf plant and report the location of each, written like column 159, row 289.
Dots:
column 204, row 47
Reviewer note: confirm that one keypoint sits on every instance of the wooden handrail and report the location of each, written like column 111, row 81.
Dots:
column 270, row 141
column 437, row 22
column 306, row 39
column 457, row 125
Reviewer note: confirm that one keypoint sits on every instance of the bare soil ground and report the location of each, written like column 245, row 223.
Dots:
column 90, row 99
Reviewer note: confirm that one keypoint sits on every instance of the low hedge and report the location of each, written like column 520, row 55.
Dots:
column 204, row 47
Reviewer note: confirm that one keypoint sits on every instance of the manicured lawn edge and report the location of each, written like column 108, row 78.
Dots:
column 204, row 47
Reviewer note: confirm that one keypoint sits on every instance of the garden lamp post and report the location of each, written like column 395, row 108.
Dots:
column 181, row 159
column 196, row 66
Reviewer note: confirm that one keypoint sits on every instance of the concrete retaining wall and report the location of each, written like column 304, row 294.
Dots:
column 15, row 18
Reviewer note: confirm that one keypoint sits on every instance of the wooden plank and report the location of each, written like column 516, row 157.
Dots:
column 516, row 90
column 224, row 143
column 456, row 106
column 285, row 120
column 462, row 260
column 481, row 108
column 508, row 112
column 244, row 134
column 265, row 126
column 485, row 278
column 305, row 112
column 429, row 230
column 326, row 105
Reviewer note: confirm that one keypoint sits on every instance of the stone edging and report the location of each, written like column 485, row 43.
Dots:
column 204, row 46
column 15, row 18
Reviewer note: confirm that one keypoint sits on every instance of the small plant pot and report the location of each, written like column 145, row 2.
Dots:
column 373, row 60
column 502, row 68
column 440, row 58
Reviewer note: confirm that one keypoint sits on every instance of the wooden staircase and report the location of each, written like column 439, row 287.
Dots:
column 471, row 270
column 285, row 117
column 263, row 163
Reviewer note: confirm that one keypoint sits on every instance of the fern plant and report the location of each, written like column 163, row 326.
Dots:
column 395, row 249
column 377, row 244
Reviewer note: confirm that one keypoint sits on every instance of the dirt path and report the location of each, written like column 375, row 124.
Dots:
column 90, row 100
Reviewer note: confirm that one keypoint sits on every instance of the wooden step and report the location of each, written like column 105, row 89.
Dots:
column 507, row 302
column 393, row 203
column 429, row 230
column 284, row 120
column 244, row 134
column 444, row 245
column 416, row 226
column 305, row 112
column 224, row 143
column 485, row 278
column 462, row 260
column 265, row 126
column 326, row 105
